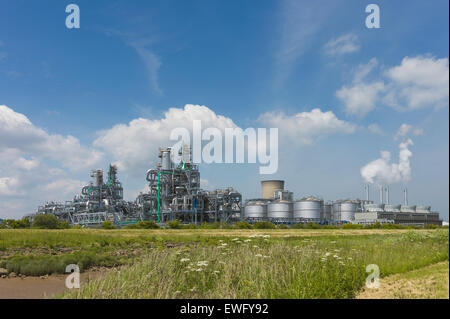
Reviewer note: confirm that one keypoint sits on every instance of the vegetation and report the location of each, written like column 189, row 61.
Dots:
column 45, row 221
column 260, row 266
column 108, row 225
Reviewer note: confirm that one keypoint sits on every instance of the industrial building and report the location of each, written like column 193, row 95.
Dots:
column 277, row 206
column 175, row 194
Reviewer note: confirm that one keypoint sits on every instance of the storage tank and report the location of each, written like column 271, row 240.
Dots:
column 344, row 210
column 309, row 208
column 269, row 187
column 279, row 209
column 166, row 162
column 255, row 209
column 327, row 209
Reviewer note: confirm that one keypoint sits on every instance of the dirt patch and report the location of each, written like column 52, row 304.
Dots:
column 430, row 282
column 41, row 288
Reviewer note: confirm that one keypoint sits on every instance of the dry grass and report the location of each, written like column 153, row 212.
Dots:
column 430, row 282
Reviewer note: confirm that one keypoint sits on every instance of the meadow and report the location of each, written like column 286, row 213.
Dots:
column 223, row 263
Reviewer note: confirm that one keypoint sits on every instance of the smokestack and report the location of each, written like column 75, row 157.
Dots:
column 405, row 193
column 387, row 194
column 367, row 191
column 381, row 194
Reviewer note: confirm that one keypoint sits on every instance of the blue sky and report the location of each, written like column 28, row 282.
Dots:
column 256, row 63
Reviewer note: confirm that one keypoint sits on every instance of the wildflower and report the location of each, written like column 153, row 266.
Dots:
column 184, row 259
column 254, row 246
column 216, row 272
column 333, row 242
column 202, row 263
column 224, row 244
column 266, row 236
column 335, row 256
column 198, row 269
column 247, row 240
column 258, row 255
column 327, row 254
column 193, row 289
column 287, row 236
column 177, row 292
column 234, row 239
column 266, row 256
column 221, row 262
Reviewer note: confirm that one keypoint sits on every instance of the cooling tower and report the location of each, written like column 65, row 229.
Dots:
column 269, row 188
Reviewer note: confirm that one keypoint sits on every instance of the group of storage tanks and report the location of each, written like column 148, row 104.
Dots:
column 278, row 206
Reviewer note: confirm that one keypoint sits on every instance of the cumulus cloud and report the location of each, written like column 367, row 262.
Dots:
column 135, row 145
column 418, row 82
column 18, row 133
column 307, row 127
column 35, row 165
column 347, row 43
column 383, row 171
column 361, row 98
column 406, row 129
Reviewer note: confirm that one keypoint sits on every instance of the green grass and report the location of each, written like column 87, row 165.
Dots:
column 325, row 266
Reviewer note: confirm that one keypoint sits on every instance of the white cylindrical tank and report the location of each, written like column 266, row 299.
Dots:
column 309, row 208
column 279, row 209
column 255, row 210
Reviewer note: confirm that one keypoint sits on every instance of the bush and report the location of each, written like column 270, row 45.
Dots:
column 264, row 225
column 312, row 226
column 15, row 224
column 377, row 225
column 45, row 221
column 282, row 226
column 148, row 225
column 329, row 227
column 108, row 225
column 242, row 225
column 352, row 226
column 298, row 226
column 63, row 225
column 174, row 224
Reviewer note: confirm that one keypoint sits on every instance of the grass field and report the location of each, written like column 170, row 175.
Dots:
column 224, row 263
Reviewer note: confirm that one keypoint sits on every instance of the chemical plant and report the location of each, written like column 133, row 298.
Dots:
column 175, row 194
column 277, row 206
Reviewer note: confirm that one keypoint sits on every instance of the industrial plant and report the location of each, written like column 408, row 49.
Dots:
column 174, row 193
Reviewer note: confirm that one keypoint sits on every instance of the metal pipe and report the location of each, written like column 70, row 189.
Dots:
column 381, row 194
column 367, row 191
column 387, row 194
column 405, row 194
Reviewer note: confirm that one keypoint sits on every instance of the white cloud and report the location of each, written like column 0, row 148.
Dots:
column 135, row 145
column 417, row 82
column 361, row 98
column 406, row 129
column 347, row 43
column 307, row 127
column 8, row 185
column 18, row 133
column 375, row 129
column 383, row 171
